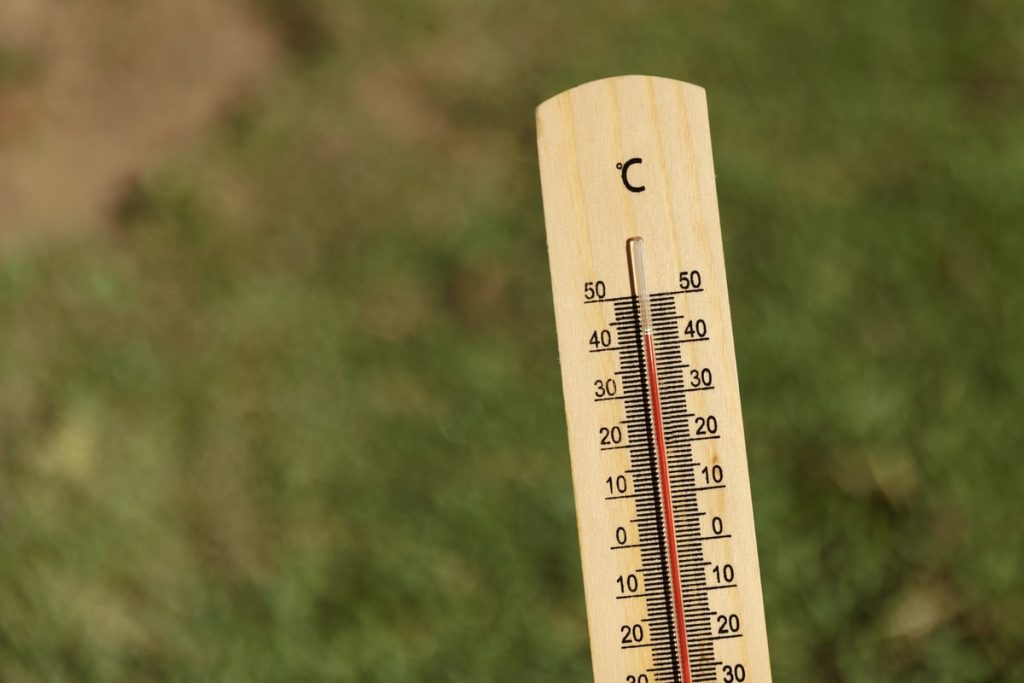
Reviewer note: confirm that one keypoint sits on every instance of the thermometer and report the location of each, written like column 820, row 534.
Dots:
column 659, row 465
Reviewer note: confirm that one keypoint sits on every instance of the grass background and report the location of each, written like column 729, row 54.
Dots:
column 294, row 413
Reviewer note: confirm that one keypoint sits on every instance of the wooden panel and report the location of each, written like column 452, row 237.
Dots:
column 624, row 158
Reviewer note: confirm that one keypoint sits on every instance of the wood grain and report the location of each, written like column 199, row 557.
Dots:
column 583, row 135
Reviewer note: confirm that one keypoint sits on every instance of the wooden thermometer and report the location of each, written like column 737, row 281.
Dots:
column 659, row 465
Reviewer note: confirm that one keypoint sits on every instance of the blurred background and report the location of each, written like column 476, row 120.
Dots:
column 279, row 393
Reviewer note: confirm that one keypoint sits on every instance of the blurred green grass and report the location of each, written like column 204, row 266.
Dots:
column 297, row 414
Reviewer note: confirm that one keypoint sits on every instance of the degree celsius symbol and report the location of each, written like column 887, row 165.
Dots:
column 624, row 167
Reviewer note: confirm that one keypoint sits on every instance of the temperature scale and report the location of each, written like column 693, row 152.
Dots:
column 659, row 465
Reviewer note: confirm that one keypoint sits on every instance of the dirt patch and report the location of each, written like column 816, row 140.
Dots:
column 93, row 93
